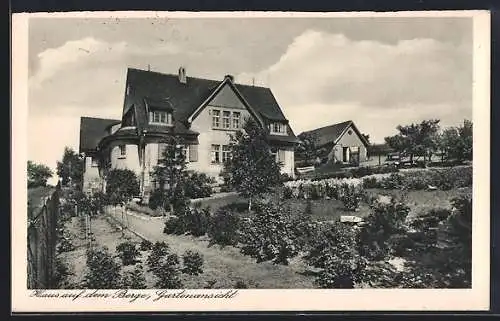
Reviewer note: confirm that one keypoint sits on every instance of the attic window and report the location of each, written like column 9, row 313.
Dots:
column 277, row 128
column 160, row 117
column 349, row 132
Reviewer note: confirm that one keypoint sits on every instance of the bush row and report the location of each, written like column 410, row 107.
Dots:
column 103, row 271
column 443, row 179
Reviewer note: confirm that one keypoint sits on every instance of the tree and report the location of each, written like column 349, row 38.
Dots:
column 170, row 174
column 38, row 174
column 307, row 149
column 70, row 169
column 456, row 142
column 252, row 169
column 416, row 139
column 366, row 137
column 121, row 186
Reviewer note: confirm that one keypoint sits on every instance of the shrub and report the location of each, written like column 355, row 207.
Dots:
column 197, row 221
column 145, row 245
column 175, row 225
column 61, row 274
column 144, row 209
column 370, row 182
column 240, row 284
column 331, row 191
column 134, row 279
column 443, row 259
column 236, row 207
column 158, row 200
column 383, row 227
column 287, row 193
column 198, row 185
column 351, row 196
column 305, row 229
column 121, row 185
column 128, row 252
column 158, row 252
column 103, row 272
column 393, row 181
column 167, row 272
column 223, row 228
column 269, row 235
column 65, row 244
column 193, row 263
column 333, row 251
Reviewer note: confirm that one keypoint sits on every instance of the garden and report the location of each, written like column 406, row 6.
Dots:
column 374, row 228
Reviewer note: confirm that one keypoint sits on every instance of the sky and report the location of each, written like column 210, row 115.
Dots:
column 378, row 72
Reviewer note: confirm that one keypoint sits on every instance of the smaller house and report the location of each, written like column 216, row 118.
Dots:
column 341, row 142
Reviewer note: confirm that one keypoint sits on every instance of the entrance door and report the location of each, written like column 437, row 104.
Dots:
column 345, row 154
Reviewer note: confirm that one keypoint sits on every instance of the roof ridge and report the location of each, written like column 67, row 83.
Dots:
column 99, row 118
column 197, row 78
column 323, row 127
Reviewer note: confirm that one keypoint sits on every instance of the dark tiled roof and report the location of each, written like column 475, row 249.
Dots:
column 328, row 134
column 166, row 91
column 92, row 130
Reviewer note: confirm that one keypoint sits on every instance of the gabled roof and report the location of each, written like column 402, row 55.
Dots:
column 331, row 134
column 92, row 130
column 148, row 88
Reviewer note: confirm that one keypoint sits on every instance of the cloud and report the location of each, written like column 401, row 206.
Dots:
column 320, row 67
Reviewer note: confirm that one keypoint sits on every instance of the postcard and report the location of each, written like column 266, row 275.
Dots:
column 250, row 161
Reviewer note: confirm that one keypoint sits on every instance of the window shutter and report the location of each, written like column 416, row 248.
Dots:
column 193, row 153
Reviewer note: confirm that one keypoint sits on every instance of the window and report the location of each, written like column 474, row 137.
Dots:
column 123, row 150
column 226, row 153
column 215, row 154
column 226, row 119
column 94, row 162
column 215, row 118
column 349, row 132
column 236, row 119
column 160, row 117
column 277, row 128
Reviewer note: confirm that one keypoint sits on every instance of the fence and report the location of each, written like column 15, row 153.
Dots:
column 42, row 222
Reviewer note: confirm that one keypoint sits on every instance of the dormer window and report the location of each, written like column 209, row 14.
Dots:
column 160, row 117
column 277, row 128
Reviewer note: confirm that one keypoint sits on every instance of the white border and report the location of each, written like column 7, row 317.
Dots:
column 476, row 298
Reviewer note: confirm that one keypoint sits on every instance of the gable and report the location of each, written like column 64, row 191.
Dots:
column 227, row 98
column 351, row 135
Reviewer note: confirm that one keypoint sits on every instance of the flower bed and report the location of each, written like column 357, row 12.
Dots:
column 326, row 188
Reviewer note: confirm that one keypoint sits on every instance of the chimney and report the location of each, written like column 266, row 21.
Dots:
column 182, row 75
column 230, row 77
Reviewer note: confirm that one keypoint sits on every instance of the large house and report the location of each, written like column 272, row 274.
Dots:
column 202, row 112
column 341, row 142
